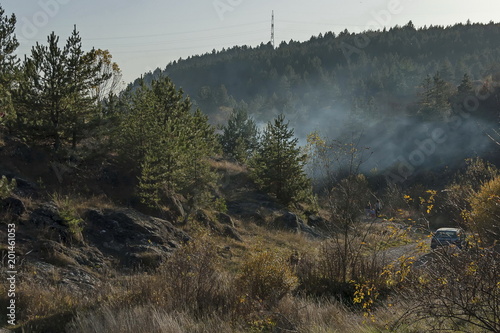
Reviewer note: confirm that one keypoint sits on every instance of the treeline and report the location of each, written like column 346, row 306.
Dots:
column 373, row 74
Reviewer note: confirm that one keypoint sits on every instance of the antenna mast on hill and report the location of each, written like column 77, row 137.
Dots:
column 272, row 29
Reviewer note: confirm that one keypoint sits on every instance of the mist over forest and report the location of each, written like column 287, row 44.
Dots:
column 349, row 183
column 387, row 90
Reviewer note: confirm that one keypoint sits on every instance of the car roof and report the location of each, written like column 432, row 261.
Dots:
column 449, row 229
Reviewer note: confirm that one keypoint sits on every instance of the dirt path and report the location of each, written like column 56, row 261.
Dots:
column 394, row 253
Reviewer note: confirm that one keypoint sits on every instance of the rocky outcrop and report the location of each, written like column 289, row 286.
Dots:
column 135, row 239
column 47, row 217
column 231, row 232
column 290, row 221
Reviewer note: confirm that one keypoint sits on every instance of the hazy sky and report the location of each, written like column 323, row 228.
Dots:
column 144, row 35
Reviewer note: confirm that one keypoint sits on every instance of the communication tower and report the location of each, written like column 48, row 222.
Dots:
column 272, row 29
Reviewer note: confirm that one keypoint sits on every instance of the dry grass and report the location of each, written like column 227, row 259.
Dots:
column 145, row 319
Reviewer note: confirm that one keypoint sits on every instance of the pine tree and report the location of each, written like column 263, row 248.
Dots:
column 8, row 46
column 56, row 98
column 85, row 73
column 278, row 166
column 169, row 144
column 435, row 97
column 239, row 137
column 463, row 96
column 8, row 64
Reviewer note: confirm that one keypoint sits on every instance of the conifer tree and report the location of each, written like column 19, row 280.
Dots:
column 278, row 166
column 169, row 144
column 8, row 45
column 239, row 137
column 56, row 99
column 434, row 99
column 8, row 64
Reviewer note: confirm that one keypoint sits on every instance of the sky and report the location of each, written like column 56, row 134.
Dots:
column 144, row 35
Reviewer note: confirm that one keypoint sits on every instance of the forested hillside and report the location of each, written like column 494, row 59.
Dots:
column 288, row 189
column 391, row 88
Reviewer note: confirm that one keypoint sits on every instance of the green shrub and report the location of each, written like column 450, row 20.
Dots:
column 6, row 187
column 69, row 215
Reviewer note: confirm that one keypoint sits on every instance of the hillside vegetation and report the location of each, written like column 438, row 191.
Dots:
column 131, row 211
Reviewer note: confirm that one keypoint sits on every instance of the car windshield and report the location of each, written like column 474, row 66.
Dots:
column 446, row 234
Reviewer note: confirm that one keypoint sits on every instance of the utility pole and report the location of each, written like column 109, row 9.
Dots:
column 272, row 29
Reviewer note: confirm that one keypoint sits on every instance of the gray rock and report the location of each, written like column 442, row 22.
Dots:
column 291, row 221
column 231, row 232
column 225, row 219
column 133, row 239
column 176, row 205
column 316, row 221
column 46, row 215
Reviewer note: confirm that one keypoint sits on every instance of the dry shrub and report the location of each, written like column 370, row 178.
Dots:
column 321, row 274
column 455, row 290
column 194, row 279
column 485, row 210
column 323, row 315
column 266, row 277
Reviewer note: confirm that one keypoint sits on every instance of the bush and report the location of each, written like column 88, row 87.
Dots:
column 6, row 187
column 455, row 291
column 194, row 279
column 267, row 277
column 485, row 210
column 69, row 214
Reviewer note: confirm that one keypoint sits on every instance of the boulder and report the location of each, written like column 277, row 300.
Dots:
column 316, row 221
column 231, row 232
column 225, row 219
column 13, row 206
column 46, row 215
column 203, row 218
column 176, row 206
column 25, row 188
column 290, row 221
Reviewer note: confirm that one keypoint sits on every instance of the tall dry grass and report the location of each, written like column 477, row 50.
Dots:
column 145, row 319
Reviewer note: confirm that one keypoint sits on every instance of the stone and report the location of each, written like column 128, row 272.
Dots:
column 231, row 232
column 13, row 206
column 225, row 219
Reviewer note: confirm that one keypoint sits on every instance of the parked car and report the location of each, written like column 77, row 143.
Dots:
column 448, row 236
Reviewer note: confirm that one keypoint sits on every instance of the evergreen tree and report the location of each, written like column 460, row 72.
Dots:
column 8, row 64
column 239, row 137
column 56, row 98
column 278, row 166
column 463, row 95
column 435, row 98
column 8, row 45
column 167, row 143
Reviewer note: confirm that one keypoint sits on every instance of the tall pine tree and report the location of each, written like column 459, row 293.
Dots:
column 8, row 64
column 278, row 166
column 168, row 143
column 56, row 99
